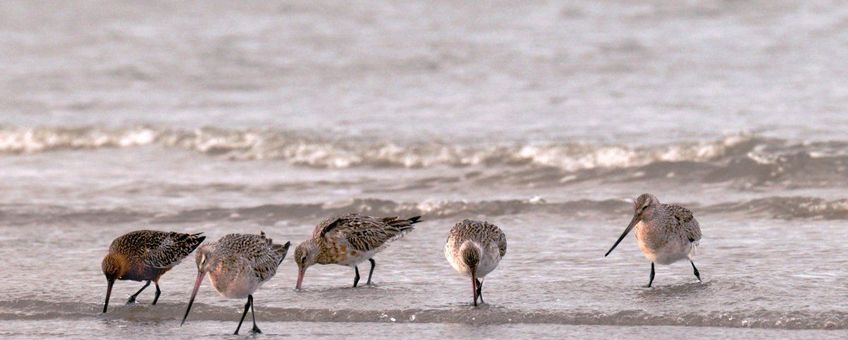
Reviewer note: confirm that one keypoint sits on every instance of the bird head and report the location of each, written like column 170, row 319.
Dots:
column 642, row 203
column 114, row 266
column 470, row 252
column 305, row 255
column 204, row 259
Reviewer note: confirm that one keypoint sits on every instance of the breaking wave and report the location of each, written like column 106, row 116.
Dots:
column 789, row 208
column 316, row 150
column 743, row 161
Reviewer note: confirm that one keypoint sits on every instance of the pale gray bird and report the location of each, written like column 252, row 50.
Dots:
column 237, row 265
column 474, row 249
column 666, row 233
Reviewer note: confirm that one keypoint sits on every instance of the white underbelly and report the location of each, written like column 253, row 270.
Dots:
column 488, row 262
column 352, row 260
column 487, row 265
column 238, row 287
column 671, row 252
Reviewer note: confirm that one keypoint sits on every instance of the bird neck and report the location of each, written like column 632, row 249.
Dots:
column 649, row 211
column 316, row 250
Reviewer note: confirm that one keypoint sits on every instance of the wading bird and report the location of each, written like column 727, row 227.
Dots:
column 237, row 265
column 666, row 233
column 474, row 249
column 349, row 240
column 145, row 255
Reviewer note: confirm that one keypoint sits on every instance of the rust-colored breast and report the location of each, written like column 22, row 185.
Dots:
column 333, row 252
column 649, row 237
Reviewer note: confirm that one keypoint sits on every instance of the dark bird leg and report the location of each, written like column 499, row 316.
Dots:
column 156, row 298
column 246, row 307
column 356, row 278
column 697, row 274
column 255, row 329
column 652, row 275
column 480, row 290
column 132, row 297
column 373, row 264
column 474, row 286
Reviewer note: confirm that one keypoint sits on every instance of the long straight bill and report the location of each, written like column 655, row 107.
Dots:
column 629, row 227
column 108, row 294
column 193, row 294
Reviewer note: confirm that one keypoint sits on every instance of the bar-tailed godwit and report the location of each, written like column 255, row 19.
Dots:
column 666, row 233
column 349, row 240
column 145, row 255
column 474, row 249
column 237, row 265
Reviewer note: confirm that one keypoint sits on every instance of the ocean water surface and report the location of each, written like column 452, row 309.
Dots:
column 545, row 118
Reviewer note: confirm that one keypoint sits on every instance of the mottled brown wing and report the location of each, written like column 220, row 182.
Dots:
column 693, row 230
column 687, row 221
column 328, row 225
column 268, row 257
column 502, row 244
column 171, row 249
column 366, row 237
column 479, row 231
column 365, row 233
column 138, row 244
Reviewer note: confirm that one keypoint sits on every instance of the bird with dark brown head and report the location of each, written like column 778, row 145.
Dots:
column 145, row 255
column 113, row 268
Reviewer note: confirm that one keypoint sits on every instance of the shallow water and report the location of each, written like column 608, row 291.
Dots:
column 545, row 119
column 333, row 330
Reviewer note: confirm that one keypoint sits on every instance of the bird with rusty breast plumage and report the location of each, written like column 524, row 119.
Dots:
column 238, row 264
column 145, row 255
column 349, row 240
column 474, row 249
column 666, row 233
